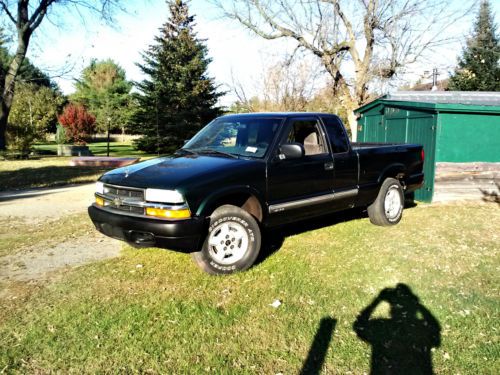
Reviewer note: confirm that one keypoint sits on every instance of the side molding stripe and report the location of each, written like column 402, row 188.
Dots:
column 315, row 200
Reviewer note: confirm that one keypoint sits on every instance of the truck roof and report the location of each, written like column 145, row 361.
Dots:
column 277, row 114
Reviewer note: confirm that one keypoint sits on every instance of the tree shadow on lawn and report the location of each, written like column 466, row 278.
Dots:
column 401, row 344
column 26, row 178
column 491, row 196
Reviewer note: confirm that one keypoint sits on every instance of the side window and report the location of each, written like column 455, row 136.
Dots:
column 336, row 133
column 307, row 133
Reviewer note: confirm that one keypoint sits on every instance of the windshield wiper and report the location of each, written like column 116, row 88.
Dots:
column 215, row 152
column 185, row 151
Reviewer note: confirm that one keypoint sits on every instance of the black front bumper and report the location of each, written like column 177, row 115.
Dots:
column 181, row 235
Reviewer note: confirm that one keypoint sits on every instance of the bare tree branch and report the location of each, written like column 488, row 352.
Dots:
column 7, row 11
column 378, row 37
column 25, row 25
column 288, row 85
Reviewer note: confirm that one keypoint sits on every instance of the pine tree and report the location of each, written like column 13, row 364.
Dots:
column 478, row 68
column 104, row 90
column 178, row 97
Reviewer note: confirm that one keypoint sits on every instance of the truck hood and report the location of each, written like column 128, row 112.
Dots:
column 175, row 172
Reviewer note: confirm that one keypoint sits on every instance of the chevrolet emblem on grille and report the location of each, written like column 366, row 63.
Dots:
column 117, row 202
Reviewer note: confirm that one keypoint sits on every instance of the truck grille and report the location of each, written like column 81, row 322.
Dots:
column 124, row 199
column 126, row 208
column 122, row 192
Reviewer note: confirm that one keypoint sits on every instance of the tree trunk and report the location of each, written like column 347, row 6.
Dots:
column 10, row 82
column 350, row 105
column 353, row 124
column 4, row 116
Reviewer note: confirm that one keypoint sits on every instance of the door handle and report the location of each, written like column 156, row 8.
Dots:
column 328, row 166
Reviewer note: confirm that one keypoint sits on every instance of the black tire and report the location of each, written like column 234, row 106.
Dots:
column 385, row 216
column 226, row 224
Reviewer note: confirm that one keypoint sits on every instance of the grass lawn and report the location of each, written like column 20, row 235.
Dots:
column 154, row 311
column 56, row 171
column 100, row 149
column 44, row 172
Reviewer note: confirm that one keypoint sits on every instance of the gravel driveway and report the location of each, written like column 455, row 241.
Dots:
column 41, row 260
column 46, row 203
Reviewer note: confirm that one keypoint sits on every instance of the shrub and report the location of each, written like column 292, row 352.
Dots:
column 61, row 137
column 33, row 114
column 78, row 123
column 20, row 138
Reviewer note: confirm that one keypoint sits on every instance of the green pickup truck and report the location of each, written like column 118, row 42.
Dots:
column 243, row 173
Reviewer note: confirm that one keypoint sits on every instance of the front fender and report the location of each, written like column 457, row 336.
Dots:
column 208, row 204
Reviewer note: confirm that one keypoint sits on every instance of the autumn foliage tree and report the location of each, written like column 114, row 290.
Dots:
column 105, row 91
column 78, row 122
column 26, row 17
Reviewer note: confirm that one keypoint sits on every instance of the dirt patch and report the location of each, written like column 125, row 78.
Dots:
column 40, row 263
column 42, row 260
column 48, row 203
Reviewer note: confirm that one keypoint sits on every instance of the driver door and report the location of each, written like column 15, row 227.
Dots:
column 299, row 188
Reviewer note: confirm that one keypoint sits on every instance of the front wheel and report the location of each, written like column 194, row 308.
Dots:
column 388, row 207
column 232, row 243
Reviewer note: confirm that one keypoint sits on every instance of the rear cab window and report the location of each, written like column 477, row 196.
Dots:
column 336, row 134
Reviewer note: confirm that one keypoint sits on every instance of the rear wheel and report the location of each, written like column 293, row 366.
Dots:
column 387, row 209
column 232, row 243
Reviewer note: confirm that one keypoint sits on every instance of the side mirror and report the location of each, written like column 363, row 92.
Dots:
column 291, row 151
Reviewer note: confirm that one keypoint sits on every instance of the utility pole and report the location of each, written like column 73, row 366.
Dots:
column 109, row 123
column 434, row 79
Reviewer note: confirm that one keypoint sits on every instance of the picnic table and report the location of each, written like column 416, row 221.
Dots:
column 102, row 161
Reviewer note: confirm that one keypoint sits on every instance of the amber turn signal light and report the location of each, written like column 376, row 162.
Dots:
column 168, row 214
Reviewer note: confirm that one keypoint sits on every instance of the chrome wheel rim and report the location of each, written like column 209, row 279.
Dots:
column 392, row 203
column 228, row 242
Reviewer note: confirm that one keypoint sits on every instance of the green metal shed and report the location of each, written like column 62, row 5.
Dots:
column 457, row 127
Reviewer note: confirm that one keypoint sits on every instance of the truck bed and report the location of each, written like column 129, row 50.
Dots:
column 364, row 145
column 374, row 159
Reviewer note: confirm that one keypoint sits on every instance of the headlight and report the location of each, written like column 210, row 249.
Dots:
column 99, row 187
column 163, row 196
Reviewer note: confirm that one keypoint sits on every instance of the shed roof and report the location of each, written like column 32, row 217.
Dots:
column 455, row 97
column 453, row 101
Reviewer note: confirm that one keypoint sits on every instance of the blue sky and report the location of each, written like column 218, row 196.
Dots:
column 235, row 51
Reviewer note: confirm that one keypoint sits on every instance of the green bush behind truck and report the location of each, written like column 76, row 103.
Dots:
column 243, row 173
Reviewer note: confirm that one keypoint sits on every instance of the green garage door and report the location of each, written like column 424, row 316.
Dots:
column 395, row 130
column 373, row 130
column 415, row 129
column 422, row 130
column 401, row 125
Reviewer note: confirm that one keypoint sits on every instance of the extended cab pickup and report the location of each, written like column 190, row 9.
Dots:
column 243, row 173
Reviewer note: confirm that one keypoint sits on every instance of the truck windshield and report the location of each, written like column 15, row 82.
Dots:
column 240, row 137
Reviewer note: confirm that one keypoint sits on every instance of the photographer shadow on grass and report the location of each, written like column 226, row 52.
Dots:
column 402, row 343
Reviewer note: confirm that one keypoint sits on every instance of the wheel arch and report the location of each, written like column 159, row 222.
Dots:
column 395, row 170
column 245, row 197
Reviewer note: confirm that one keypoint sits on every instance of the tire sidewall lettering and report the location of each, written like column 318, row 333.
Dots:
column 222, row 268
column 251, row 238
column 238, row 220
